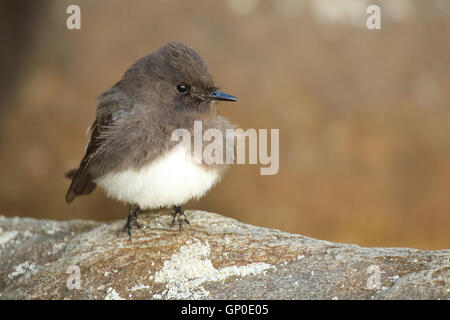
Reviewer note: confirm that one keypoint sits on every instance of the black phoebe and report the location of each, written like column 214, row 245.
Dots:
column 130, row 153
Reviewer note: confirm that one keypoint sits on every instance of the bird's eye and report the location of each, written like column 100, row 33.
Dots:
column 182, row 88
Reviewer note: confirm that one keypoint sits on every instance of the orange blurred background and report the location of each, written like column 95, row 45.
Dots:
column 364, row 115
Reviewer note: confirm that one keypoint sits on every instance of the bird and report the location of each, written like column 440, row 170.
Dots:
column 130, row 153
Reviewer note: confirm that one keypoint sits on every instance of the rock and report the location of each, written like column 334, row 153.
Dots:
column 215, row 258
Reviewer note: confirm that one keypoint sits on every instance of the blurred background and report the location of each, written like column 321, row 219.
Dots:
column 364, row 115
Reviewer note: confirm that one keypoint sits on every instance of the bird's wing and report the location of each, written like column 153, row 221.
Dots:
column 109, row 112
column 82, row 180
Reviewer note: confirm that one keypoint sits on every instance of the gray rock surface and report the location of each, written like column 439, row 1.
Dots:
column 215, row 258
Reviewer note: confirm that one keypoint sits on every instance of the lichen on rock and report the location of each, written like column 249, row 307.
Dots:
column 215, row 258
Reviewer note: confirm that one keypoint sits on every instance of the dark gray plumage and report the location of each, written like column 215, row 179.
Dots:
column 136, row 117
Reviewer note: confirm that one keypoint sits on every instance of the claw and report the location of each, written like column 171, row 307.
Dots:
column 132, row 220
column 178, row 212
column 127, row 229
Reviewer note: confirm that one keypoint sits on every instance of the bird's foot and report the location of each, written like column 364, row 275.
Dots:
column 132, row 220
column 129, row 226
column 178, row 214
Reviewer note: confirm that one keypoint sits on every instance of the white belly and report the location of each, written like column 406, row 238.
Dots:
column 172, row 180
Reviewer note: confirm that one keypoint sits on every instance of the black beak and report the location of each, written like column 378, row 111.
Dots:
column 221, row 96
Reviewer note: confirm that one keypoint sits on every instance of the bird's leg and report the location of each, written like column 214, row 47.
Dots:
column 132, row 219
column 178, row 212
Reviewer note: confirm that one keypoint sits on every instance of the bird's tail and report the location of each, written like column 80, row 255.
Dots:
column 71, row 173
column 81, row 184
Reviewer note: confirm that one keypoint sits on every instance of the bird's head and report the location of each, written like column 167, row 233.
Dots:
column 175, row 76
